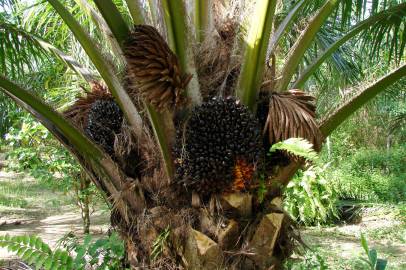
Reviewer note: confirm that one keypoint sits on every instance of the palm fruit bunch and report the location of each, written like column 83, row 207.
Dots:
column 219, row 146
column 103, row 123
column 79, row 111
column 153, row 70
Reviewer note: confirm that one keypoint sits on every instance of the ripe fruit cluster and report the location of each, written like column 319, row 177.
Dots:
column 218, row 133
column 104, row 122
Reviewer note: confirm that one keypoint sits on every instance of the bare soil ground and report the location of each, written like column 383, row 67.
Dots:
column 341, row 247
column 27, row 207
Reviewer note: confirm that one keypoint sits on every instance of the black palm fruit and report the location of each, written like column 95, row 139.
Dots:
column 217, row 134
column 104, row 121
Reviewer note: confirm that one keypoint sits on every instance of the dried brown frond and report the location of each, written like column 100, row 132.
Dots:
column 226, row 20
column 127, row 152
column 153, row 69
column 218, row 65
column 79, row 111
column 218, row 70
column 292, row 115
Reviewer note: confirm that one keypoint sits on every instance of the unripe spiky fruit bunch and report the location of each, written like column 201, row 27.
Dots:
column 219, row 135
column 153, row 69
column 103, row 123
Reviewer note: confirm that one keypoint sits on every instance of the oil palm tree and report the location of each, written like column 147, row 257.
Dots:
column 186, row 100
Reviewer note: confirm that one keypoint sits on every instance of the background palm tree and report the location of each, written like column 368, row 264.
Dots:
column 253, row 50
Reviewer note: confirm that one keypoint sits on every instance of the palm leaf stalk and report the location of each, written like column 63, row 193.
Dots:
column 103, row 171
column 177, row 32
column 255, row 52
column 104, row 69
column 330, row 123
column 137, row 13
column 114, row 19
column 202, row 18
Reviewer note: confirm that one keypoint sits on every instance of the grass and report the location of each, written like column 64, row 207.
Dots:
column 339, row 247
column 21, row 194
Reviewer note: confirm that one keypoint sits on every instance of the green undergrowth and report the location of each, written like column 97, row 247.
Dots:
column 19, row 193
column 339, row 247
column 372, row 175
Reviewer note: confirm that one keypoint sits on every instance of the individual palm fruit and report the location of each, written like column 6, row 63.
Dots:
column 243, row 174
column 219, row 135
column 292, row 114
column 103, row 123
column 153, row 69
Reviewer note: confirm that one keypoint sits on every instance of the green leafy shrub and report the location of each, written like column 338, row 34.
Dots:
column 372, row 260
column 372, row 175
column 46, row 162
column 309, row 198
column 311, row 260
column 103, row 254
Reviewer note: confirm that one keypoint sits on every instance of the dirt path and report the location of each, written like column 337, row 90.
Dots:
column 340, row 245
column 27, row 207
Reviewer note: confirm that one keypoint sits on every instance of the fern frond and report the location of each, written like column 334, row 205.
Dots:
column 297, row 146
column 32, row 250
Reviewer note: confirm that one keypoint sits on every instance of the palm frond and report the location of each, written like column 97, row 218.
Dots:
column 388, row 35
column 303, row 42
column 397, row 123
column 23, row 50
column 19, row 51
column 333, row 120
column 342, row 60
column 331, row 46
column 285, row 24
column 291, row 114
column 42, row 19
